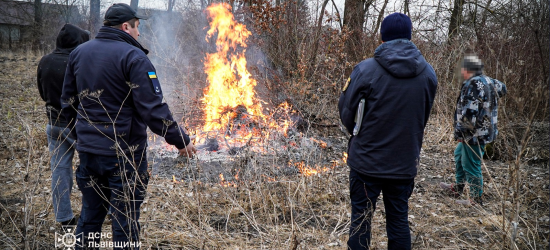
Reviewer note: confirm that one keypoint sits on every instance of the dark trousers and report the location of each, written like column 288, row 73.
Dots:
column 115, row 183
column 364, row 192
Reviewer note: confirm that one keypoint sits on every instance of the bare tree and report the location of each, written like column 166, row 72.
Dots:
column 95, row 6
column 134, row 4
column 171, row 4
column 37, row 23
column 380, row 16
column 313, row 56
column 354, row 18
column 456, row 18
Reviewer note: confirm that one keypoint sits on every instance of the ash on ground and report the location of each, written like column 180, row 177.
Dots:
column 258, row 159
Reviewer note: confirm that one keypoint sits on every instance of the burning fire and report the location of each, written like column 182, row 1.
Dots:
column 307, row 170
column 231, row 108
column 231, row 85
column 345, row 158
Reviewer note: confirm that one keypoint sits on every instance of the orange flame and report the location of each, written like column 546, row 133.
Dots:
column 231, row 84
column 269, row 179
column 345, row 158
column 307, row 170
column 225, row 183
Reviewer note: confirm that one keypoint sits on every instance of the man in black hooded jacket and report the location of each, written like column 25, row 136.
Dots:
column 50, row 74
column 385, row 105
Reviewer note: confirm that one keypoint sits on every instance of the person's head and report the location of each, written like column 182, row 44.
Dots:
column 71, row 36
column 396, row 26
column 122, row 16
column 471, row 65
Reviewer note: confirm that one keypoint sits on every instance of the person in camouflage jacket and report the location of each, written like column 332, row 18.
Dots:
column 475, row 125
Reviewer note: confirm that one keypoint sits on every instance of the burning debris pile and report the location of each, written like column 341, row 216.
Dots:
column 234, row 115
column 236, row 124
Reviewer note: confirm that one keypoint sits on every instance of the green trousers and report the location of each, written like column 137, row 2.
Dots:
column 468, row 167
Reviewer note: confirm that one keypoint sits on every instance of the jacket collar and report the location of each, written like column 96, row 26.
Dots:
column 392, row 42
column 106, row 32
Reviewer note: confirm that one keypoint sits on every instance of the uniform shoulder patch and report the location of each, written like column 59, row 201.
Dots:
column 347, row 84
column 155, row 82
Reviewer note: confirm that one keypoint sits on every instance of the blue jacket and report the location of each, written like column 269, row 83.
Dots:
column 398, row 86
column 476, row 113
column 111, row 89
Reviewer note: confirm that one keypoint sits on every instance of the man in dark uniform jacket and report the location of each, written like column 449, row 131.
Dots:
column 112, row 92
column 49, row 76
column 385, row 105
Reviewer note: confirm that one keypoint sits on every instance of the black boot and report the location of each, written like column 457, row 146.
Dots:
column 479, row 201
column 69, row 225
column 459, row 188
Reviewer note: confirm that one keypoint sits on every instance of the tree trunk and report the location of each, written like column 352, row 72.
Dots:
column 353, row 22
column 456, row 18
column 37, row 25
column 134, row 4
column 313, row 56
column 171, row 4
column 406, row 10
column 380, row 17
column 95, row 20
column 338, row 15
column 480, row 26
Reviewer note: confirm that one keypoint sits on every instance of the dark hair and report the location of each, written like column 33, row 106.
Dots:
column 132, row 23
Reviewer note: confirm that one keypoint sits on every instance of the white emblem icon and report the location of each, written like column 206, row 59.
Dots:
column 68, row 240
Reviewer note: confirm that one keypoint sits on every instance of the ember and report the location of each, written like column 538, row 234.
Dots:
column 225, row 183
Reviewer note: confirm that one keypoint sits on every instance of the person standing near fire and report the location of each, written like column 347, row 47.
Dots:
column 475, row 125
column 112, row 92
column 385, row 105
column 49, row 76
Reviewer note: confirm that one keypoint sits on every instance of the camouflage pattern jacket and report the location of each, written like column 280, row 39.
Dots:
column 476, row 110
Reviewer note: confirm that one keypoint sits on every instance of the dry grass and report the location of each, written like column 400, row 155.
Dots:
column 266, row 211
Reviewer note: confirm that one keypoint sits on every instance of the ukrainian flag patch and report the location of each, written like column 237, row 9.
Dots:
column 155, row 82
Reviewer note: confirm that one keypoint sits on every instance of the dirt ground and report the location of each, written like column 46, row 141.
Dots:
column 274, row 203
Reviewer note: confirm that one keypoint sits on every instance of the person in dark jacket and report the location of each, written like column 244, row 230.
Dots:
column 112, row 91
column 50, row 74
column 385, row 105
column 475, row 123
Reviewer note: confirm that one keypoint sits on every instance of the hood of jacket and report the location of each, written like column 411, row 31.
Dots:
column 401, row 58
column 69, row 38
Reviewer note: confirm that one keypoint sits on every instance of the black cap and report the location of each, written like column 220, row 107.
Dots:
column 472, row 63
column 119, row 13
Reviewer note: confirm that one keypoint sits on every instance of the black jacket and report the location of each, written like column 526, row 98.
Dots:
column 51, row 70
column 399, row 88
column 112, row 89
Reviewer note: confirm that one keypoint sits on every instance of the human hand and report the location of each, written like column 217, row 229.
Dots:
column 189, row 150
